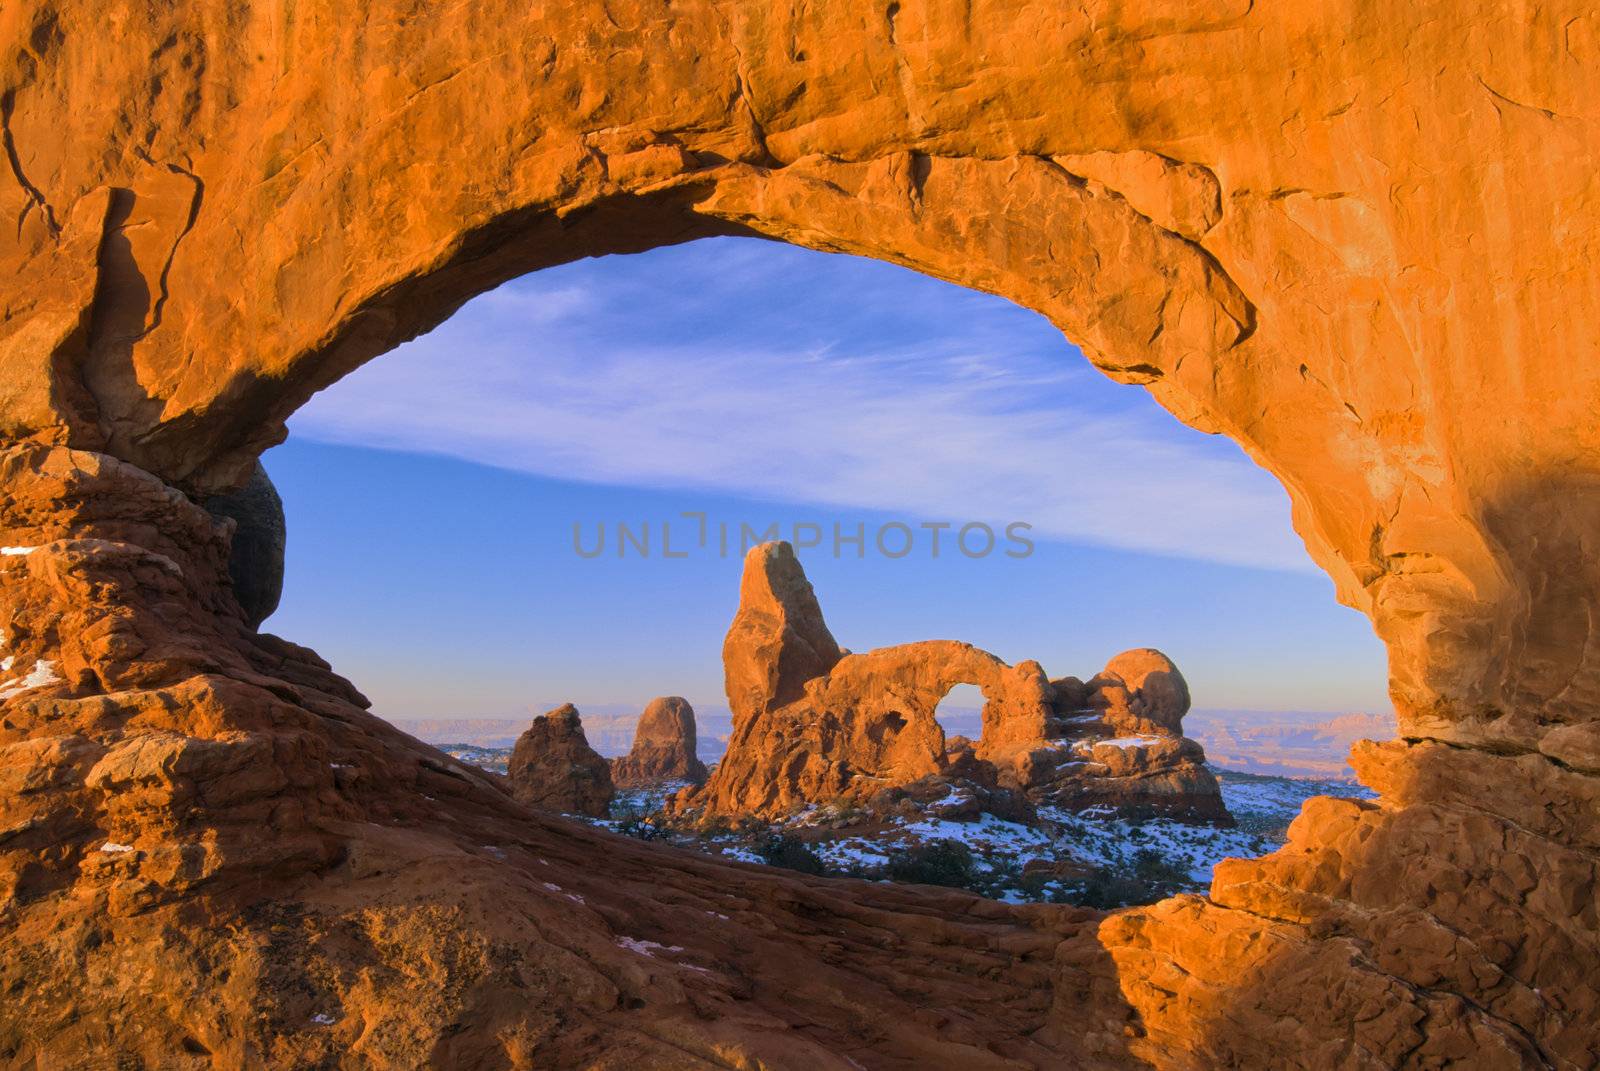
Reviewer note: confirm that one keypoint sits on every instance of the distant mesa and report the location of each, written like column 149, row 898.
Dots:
column 1304, row 744
column 663, row 747
column 814, row 723
column 553, row 767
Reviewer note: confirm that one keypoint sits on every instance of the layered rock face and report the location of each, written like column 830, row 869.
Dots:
column 861, row 724
column 212, row 855
column 1362, row 245
column 663, row 747
column 1125, row 728
column 553, row 767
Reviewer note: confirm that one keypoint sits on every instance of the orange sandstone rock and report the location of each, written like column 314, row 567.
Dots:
column 864, row 723
column 553, row 767
column 1365, row 247
column 1140, row 692
column 778, row 640
column 663, row 747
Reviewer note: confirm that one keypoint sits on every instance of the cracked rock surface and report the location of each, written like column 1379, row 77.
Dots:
column 1361, row 244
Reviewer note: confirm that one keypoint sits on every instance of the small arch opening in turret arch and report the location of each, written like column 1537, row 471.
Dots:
column 960, row 714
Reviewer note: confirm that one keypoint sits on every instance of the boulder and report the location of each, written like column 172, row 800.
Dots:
column 255, row 558
column 1144, row 777
column 553, row 767
column 663, row 747
column 1140, row 693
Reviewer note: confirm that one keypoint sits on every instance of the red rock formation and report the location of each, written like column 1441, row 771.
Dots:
column 778, row 640
column 1361, row 245
column 663, row 747
column 872, row 715
column 1137, row 777
column 1128, row 753
column 212, row 854
column 1141, row 693
column 866, row 722
column 553, row 767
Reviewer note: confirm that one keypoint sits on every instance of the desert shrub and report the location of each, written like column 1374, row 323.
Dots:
column 1033, row 884
column 639, row 828
column 714, row 826
column 1150, row 877
column 938, row 862
column 845, row 812
column 791, row 853
column 1150, row 865
column 1106, row 889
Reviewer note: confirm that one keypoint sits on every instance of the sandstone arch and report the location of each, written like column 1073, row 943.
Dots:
column 1377, row 276
column 869, row 723
column 815, row 724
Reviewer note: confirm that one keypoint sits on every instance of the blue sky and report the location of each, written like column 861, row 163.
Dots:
column 432, row 494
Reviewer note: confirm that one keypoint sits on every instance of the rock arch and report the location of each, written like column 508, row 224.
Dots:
column 1377, row 276
column 816, row 724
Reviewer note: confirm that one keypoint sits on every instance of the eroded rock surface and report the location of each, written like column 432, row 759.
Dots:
column 1364, row 246
column 211, row 854
column 663, row 747
column 865, row 723
column 778, row 640
column 553, row 767
column 1125, row 748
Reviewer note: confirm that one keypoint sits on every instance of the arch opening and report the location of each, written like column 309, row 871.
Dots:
column 960, row 713
column 561, row 339
column 1300, row 264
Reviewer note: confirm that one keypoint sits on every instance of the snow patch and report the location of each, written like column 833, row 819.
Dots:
column 43, row 673
column 12, row 552
column 1125, row 741
column 114, row 848
column 850, row 852
column 646, row 948
column 740, row 855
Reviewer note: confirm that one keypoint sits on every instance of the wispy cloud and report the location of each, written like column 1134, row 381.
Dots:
column 757, row 369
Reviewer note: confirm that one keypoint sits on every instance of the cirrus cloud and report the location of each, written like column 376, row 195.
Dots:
column 746, row 367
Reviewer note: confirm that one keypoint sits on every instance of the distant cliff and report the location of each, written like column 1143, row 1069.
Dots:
column 1286, row 743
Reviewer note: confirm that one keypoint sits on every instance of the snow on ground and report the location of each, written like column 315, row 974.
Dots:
column 987, row 837
column 641, row 801
column 43, row 673
column 1116, row 842
column 1267, row 804
column 850, row 854
column 493, row 759
column 1122, row 741
column 732, row 851
column 1062, row 846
